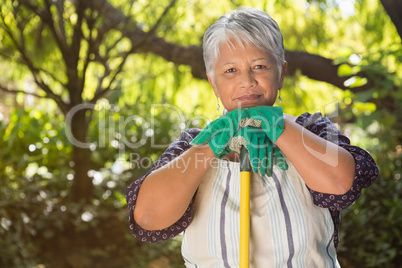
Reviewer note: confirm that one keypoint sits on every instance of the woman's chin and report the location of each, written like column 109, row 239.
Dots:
column 247, row 104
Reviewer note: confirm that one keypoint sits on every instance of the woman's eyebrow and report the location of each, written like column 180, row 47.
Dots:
column 227, row 63
column 264, row 59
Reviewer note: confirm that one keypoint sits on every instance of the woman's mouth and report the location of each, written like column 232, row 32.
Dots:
column 249, row 97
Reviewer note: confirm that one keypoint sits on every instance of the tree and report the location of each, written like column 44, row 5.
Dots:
column 76, row 37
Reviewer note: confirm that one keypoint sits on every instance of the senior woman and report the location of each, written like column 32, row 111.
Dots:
column 304, row 171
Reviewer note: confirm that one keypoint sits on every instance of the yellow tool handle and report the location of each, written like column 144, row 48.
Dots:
column 244, row 209
column 244, row 218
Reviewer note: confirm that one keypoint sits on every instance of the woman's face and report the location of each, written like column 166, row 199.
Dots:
column 246, row 77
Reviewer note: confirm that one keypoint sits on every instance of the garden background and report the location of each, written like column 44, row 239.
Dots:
column 92, row 92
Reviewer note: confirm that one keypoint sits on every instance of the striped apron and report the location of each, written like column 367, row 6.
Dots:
column 286, row 230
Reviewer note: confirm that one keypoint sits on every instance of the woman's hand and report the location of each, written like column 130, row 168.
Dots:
column 268, row 118
column 262, row 152
column 255, row 128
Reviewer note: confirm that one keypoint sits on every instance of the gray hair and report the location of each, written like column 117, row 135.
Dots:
column 252, row 26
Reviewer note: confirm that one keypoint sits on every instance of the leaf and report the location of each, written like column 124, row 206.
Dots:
column 365, row 95
column 355, row 81
column 345, row 70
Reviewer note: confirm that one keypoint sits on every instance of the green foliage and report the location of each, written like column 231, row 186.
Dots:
column 375, row 219
column 33, row 167
column 127, row 131
column 37, row 218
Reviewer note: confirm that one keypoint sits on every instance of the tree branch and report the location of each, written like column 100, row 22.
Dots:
column 394, row 10
column 46, row 17
column 16, row 91
column 34, row 71
column 313, row 66
column 60, row 38
column 101, row 92
column 320, row 69
column 92, row 52
column 60, row 13
column 153, row 29
column 40, row 70
column 77, row 35
column 136, row 44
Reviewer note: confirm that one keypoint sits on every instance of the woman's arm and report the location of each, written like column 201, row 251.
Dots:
column 324, row 166
column 165, row 194
column 176, row 149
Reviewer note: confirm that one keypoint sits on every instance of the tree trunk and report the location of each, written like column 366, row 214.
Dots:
column 82, row 188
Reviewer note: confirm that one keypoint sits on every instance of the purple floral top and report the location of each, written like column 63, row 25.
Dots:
column 366, row 173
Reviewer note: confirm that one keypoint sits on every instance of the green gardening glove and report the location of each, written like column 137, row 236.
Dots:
column 217, row 134
column 225, row 126
column 224, row 141
column 262, row 152
column 268, row 118
column 249, row 127
column 279, row 158
column 259, row 148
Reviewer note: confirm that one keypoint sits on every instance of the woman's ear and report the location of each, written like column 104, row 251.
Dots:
column 283, row 71
column 213, row 85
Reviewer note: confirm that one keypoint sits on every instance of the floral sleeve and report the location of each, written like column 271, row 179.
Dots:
column 174, row 150
column 366, row 169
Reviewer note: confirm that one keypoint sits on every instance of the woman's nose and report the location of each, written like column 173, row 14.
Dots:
column 247, row 79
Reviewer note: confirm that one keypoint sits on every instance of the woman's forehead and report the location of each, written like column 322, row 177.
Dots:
column 232, row 48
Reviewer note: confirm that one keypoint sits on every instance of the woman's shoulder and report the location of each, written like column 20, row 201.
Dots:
column 189, row 134
column 307, row 119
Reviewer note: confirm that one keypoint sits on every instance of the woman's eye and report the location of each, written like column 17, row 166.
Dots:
column 231, row 70
column 259, row 67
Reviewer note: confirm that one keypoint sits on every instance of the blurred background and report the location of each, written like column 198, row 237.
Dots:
column 92, row 92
